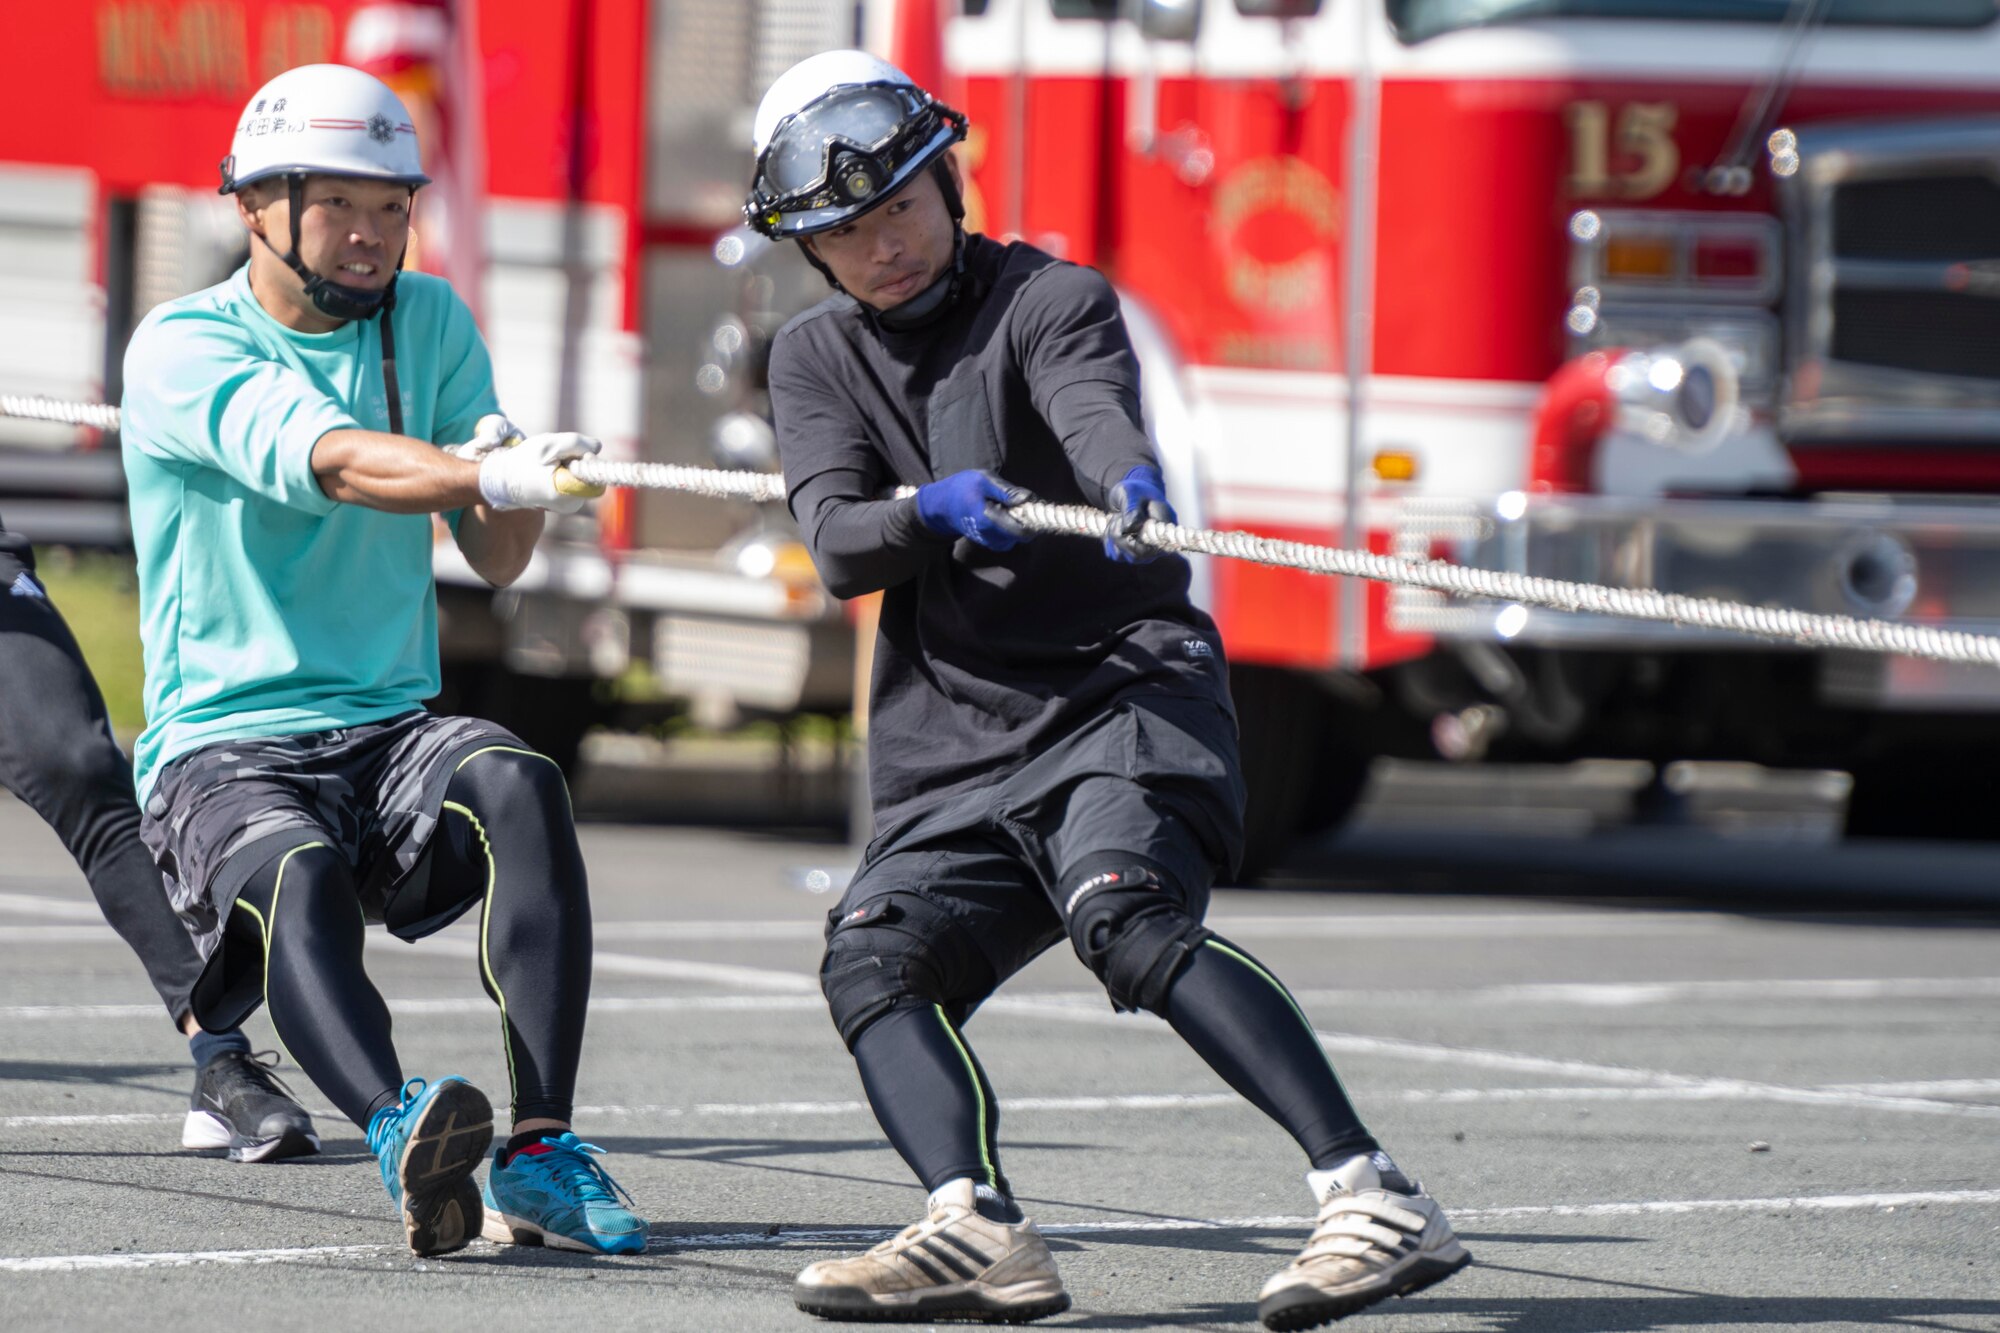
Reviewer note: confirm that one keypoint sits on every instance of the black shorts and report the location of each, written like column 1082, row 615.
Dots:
column 1157, row 776
column 218, row 814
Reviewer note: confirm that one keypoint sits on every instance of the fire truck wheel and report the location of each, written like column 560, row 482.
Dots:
column 1302, row 774
column 1927, row 795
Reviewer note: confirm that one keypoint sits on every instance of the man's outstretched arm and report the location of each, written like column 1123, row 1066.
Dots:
column 501, row 496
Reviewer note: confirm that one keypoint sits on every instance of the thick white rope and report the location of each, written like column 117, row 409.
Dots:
column 1802, row 627
column 102, row 416
column 1811, row 629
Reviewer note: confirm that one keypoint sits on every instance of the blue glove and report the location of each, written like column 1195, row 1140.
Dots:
column 973, row 505
column 1142, row 495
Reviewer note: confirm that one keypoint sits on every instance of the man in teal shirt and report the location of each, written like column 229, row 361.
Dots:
column 284, row 460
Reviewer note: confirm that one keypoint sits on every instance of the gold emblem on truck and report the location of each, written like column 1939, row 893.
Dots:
column 1631, row 155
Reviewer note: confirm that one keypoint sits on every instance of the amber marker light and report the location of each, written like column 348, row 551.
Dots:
column 1639, row 258
column 1396, row 465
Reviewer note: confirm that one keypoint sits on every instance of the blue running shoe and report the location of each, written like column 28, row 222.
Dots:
column 554, row 1193
column 428, row 1146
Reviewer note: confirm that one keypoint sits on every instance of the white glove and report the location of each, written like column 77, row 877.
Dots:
column 529, row 475
column 493, row 432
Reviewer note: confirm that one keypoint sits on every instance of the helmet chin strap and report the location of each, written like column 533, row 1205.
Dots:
column 335, row 300
column 338, row 300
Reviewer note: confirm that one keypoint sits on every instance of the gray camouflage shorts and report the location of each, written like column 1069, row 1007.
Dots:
column 219, row 813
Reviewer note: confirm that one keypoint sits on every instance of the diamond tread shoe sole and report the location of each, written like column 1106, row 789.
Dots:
column 442, row 1210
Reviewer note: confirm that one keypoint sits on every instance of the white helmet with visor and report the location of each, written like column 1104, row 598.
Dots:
column 838, row 134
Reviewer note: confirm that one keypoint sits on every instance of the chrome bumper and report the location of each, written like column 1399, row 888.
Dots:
column 1928, row 562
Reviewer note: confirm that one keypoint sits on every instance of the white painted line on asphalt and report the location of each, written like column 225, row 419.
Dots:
column 1161, row 1101
column 39, row 935
column 1633, row 994
column 637, row 965
column 1147, row 1101
column 477, row 1005
column 1808, row 1203
column 798, row 996
column 1301, row 925
column 1621, row 994
column 1708, row 1092
column 59, row 1121
column 666, row 1243
column 1346, row 925
column 83, row 1263
column 60, row 909
column 1610, row 923
column 1354, row 1043
column 1937, row 1087
column 1823, row 1203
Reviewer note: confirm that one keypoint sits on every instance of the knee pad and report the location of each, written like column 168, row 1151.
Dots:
column 899, row 950
column 1130, row 926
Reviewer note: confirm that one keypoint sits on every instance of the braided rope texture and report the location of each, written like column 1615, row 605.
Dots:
column 1811, row 629
column 102, row 416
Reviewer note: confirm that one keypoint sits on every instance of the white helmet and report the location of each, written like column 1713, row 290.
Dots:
column 837, row 134
column 324, row 119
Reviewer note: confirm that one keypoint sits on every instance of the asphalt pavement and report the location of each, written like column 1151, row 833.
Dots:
column 1664, row 1114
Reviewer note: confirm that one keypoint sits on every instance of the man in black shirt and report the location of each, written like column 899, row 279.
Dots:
column 57, row 754
column 1052, row 746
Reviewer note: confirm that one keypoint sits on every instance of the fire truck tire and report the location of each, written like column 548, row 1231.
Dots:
column 1302, row 774
column 1922, row 795
column 551, row 714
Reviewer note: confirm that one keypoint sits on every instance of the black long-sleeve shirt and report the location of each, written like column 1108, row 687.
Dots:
column 984, row 657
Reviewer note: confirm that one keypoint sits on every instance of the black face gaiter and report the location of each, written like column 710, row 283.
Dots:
column 933, row 301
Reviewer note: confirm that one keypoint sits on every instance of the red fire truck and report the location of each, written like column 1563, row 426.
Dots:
column 1383, row 260
column 1383, row 257
column 587, row 156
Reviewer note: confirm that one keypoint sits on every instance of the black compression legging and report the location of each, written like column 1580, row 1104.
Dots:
column 931, row 1096
column 505, row 841
column 1245, row 1024
column 933, row 1101
column 57, row 755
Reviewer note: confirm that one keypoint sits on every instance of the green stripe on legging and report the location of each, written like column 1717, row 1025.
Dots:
column 515, row 749
column 485, row 920
column 1278, row 986
column 978, row 1094
column 264, row 928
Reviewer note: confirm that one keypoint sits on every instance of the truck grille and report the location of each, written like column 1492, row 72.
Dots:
column 1937, row 218
column 1932, row 333
column 1922, row 222
column 1893, row 298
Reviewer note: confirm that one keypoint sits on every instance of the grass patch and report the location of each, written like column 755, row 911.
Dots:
column 98, row 595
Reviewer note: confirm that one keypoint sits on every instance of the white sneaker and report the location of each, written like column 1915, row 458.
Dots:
column 1378, row 1236
column 955, row 1264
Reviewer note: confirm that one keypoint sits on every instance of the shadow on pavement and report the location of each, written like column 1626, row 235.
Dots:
column 1680, row 865
column 1643, row 1314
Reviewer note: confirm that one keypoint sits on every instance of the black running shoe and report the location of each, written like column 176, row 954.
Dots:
column 239, row 1104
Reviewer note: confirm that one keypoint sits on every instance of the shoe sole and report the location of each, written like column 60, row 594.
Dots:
column 442, row 1209
column 958, row 1303
column 206, row 1130
column 1305, row 1306
column 506, row 1229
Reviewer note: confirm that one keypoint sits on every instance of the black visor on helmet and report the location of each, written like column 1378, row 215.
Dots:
column 844, row 153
